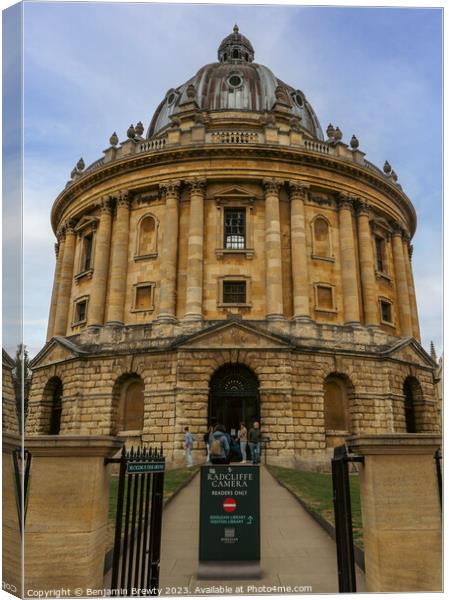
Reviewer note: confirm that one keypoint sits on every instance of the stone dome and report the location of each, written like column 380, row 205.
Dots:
column 236, row 83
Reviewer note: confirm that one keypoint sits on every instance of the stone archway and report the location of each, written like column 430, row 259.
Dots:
column 234, row 397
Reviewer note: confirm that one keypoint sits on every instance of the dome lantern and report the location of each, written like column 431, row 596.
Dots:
column 236, row 48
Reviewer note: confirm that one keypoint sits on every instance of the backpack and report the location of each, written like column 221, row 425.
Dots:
column 216, row 448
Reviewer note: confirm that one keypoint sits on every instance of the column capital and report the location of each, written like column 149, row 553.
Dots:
column 197, row 185
column 297, row 189
column 410, row 251
column 345, row 201
column 171, row 188
column 272, row 186
column 397, row 229
column 68, row 227
column 363, row 208
column 57, row 248
column 104, row 205
column 123, row 199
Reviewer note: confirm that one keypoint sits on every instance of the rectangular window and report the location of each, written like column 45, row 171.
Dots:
column 234, row 228
column 385, row 311
column 87, row 252
column 80, row 311
column 324, row 297
column 144, row 297
column 380, row 249
column 234, row 292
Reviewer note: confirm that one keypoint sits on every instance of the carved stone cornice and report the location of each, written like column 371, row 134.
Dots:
column 171, row 188
column 296, row 189
column 197, row 186
column 272, row 186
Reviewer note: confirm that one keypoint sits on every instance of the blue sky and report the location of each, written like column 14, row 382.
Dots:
column 91, row 69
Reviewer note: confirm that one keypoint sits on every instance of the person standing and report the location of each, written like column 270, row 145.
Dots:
column 243, row 439
column 188, row 445
column 208, row 439
column 220, row 448
column 255, row 437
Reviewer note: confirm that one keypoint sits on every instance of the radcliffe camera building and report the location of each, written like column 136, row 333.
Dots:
column 233, row 264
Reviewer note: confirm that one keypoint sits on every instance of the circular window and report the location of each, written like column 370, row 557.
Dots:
column 298, row 98
column 171, row 98
column 235, row 81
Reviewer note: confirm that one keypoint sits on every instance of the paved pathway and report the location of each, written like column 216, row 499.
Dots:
column 295, row 550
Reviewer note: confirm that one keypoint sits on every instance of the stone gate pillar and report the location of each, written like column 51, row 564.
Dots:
column 67, row 516
column 401, row 512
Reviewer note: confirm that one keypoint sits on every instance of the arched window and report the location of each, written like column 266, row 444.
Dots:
column 147, row 237
column 412, row 394
column 53, row 406
column 321, row 238
column 235, row 54
column 129, row 393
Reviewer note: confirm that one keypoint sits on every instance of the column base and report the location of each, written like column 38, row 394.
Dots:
column 192, row 317
column 275, row 317
column 114, row 324
column 302, row 319
column 353, row 323
column 166, row 318
column 94, row 328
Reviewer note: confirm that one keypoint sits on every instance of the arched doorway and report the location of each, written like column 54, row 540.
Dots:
column 412, row 395
column 234, row 397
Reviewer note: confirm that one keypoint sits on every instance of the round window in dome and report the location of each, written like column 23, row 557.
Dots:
column 235, row 81
column 298, row 98
column 171, row 98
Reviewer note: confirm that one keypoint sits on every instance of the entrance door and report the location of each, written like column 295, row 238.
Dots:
column 234, row 397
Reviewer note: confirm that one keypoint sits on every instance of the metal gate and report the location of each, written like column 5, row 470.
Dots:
column 22, row 464
column 343, row 519
column 138, row 524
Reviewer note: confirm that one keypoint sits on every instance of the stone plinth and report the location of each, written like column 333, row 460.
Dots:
column 66, row 523
column 400, row 511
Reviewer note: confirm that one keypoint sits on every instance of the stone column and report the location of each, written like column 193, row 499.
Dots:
column 300, row 259
column 67, row 516
column 408, row 252
column 194, row 298
column 101, row 266
column 367, row 269
column 59, row 250
column 273, row 252
column 402, row 291
column 119, row 262
column 348, row 261
column 167, row 302
column 401, row 513
column 65, row 281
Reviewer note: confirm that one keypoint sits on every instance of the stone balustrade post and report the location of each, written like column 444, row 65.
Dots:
column 101, row 265
column 65, row 281
column 348, row 261
column 402, row 290
column 273, row 251
column 194, row 295
column 401, row 513
column 367, row 269
column 59, row 251
column 119, row 262
column 167, row 302
column 300, row 259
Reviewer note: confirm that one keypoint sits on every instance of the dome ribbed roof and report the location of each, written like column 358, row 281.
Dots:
column 236, row 83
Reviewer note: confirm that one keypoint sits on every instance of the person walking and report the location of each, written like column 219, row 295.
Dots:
column 208, row 439
column 243, row 439
column 255, row 437
column 220, row 448
column 188, row 445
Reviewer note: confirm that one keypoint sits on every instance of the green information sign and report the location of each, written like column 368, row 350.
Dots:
column 146, row 467
column 230, row 513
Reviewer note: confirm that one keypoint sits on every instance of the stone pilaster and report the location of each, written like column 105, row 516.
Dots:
column 348, row 261
column 367, row 270
column 59, row 251
column 119, row 262
column 101, row 265
column 65, row 281
column 408, row 251
column 273, row 251
column 194, row 297
column 300, row 268
column 167, row 303
column 402, row 291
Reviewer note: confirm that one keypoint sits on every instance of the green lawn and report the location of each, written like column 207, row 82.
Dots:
column 315, row 490
column 172, row 481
